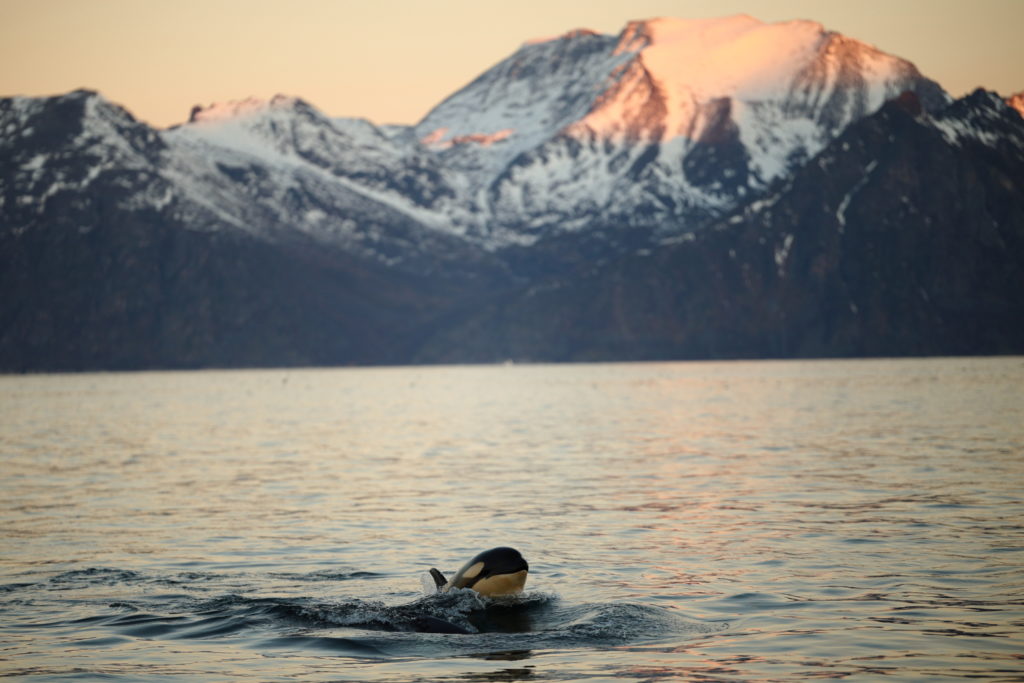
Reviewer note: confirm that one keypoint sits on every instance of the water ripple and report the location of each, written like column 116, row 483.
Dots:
column 742, row 521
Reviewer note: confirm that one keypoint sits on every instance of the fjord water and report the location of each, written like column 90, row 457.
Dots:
column 739, row 521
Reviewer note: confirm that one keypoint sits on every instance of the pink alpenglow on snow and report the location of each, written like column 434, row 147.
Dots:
column 1016, row 101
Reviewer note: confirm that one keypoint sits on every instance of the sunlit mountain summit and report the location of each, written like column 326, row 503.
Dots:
column 672, row 119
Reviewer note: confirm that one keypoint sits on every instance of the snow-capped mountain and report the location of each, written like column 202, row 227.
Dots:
column 663, row 128
column 643, row 195
column 286, row 130
column 669, row 123
column 280, row 166
column 125, row 247
column 275, row 170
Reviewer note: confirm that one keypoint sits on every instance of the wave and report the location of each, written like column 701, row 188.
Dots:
column 458, row 622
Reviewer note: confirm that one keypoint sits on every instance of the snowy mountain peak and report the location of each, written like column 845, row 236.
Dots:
column 89, row 104
column 641, row 34
column 82, row 118
column 233, row 109
column 591, row 125
column 656, row 73
column 520, row 103
column 752, row 60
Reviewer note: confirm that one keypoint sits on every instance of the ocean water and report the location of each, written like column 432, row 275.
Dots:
column 701, row 521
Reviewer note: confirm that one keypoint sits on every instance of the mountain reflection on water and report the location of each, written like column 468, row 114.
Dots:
column 741, row 520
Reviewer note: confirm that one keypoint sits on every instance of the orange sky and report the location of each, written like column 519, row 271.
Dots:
column 392, row 60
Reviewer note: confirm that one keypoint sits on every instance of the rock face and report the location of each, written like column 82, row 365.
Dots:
column 686, row 189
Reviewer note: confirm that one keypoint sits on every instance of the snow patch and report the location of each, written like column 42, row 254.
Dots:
column 957, row 130
column 782, row 253
column 20, row 110
column 845, row 203
column 737, row 57
column 35, row 165
column 679, row 239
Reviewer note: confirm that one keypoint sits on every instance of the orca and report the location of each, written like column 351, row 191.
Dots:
column 494, row 572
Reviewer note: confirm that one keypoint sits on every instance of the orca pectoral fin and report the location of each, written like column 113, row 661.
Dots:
column 438, row 578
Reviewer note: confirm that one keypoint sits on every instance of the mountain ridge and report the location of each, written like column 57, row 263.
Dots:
column 294, row 238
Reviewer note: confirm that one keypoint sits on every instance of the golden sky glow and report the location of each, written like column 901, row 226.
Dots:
column 392, row 60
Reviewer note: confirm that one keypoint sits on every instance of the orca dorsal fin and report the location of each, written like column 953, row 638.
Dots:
column 438, row 578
